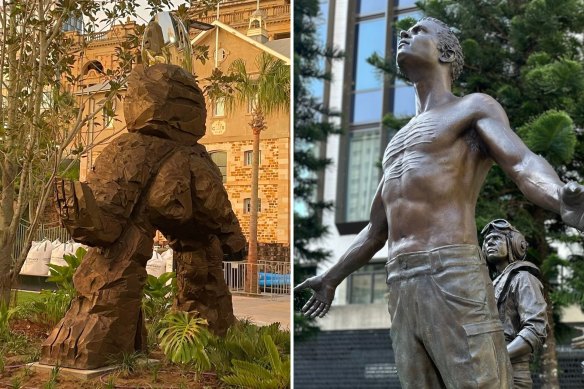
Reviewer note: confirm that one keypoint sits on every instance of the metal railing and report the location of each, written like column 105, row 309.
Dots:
column 44, row 231
column 264, row 277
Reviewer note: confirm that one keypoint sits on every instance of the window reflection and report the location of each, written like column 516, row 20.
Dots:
column 368, row 285
column 314, row 85
column 367, row 106
column 220, row 159
column 404, row 100
column 406, row 3
column 363, row 175
column 370, row 38
column 365, row 7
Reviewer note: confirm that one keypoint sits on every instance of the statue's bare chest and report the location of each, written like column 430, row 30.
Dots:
column 408, row 148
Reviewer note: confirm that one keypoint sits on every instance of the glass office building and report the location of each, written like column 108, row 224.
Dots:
column 363, row 96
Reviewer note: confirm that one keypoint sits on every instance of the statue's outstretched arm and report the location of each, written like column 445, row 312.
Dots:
column 534, row 176
column 369, row 241
column 81, row 215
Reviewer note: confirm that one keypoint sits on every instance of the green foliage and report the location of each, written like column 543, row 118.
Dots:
column 244, row 342
column 572, row 292
column 6, row 313
column 63, row 275
column 16, row 382
column 254, row 375
column 158, row 298
column 52, row 382
column 552, row 135
column 158, row 289
column 183, row 339
column 52, row 305
column 129, row 363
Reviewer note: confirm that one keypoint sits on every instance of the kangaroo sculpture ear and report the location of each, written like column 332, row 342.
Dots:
column 447, row 56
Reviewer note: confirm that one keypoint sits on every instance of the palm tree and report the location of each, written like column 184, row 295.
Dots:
column 267, row 91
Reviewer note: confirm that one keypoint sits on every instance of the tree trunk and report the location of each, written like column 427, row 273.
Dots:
column 5, row 275
column 549, row 357
column 251, row 283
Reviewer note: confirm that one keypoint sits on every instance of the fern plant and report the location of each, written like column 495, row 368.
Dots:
column 183, row 339
column 244, row 342
column 276, row 375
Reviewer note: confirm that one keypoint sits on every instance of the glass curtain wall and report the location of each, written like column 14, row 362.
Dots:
column 366, row 108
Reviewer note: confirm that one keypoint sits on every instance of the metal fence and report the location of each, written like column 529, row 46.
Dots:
column 264, row 277
column 44, row 231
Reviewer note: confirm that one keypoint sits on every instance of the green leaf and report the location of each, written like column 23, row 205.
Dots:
column 552, row 135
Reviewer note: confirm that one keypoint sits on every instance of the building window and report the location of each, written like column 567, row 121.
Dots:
column 219, row 107
column 248, row 157
column 220, row 159
column 368, row 7
column 367, row 285
column 363, row 174
column 367, row 100
column 371, row 95
column 94, row 66
column 251, row 104
column 247, row 205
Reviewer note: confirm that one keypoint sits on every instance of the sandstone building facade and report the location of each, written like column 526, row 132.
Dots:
column 229, row 136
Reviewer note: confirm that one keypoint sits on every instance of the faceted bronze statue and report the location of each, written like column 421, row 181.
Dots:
column 155, row 177
column 445, row 325
column 519, row 296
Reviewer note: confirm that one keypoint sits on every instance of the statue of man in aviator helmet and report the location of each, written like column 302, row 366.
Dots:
column 518, row 291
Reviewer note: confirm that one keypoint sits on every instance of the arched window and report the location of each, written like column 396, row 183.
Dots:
column 93, row 65
column 220, row 159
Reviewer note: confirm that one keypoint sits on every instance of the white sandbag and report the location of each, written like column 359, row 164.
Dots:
column 37, row 259
column 60, row 250
column 167, row 256
column 156, row 265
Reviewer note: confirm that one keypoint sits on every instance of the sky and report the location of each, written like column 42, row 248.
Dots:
column 143, row 13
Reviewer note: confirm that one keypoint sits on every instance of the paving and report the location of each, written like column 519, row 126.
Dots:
column 263, row 310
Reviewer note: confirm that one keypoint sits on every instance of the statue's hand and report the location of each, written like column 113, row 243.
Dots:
column 322, row 297
column 572, row 205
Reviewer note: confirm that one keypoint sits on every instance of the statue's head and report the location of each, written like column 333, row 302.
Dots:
column 164, row 100
column 429, row 40
column 503, row 242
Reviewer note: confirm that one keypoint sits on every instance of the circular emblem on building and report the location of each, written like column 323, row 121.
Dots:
column 218, row 127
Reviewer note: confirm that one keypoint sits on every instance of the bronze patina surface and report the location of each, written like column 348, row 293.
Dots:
column 156, row 177
column 424, row 208
column 519, row 295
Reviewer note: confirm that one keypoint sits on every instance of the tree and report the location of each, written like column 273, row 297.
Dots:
column 528, row 55
column 311, row 129
column 267, row 89
column 40, row 116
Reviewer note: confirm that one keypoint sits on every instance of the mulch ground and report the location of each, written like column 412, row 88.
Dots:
column 17, row 374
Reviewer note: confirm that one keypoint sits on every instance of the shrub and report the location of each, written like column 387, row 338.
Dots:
column 276, row 375
column 183, row 339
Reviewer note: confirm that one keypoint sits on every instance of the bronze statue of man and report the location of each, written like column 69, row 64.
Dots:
column 445, row 326
column 519, row 296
